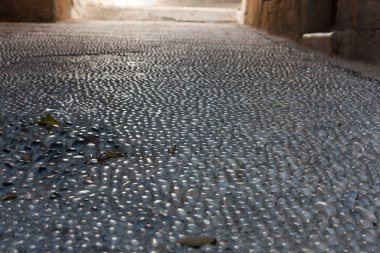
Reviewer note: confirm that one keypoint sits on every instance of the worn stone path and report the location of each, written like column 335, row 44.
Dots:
column 170, row 130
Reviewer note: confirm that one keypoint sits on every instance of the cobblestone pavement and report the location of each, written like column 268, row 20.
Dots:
column 173, row 130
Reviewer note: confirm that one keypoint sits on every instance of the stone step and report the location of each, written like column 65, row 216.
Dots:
column 320, row 41
column 180, row 14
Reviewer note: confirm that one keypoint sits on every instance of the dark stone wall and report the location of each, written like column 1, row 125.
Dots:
column 358, row 26
column 356, row 23
column 35, row 10
column 26, row 10
column 290, row 18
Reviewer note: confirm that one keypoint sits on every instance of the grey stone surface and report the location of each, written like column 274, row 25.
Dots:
column 224, row 132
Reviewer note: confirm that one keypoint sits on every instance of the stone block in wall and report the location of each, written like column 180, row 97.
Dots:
column 368, row 46
column 63, row 9
column 368, row 15
column 276, row 16
column 345, row 43
column 281, row 17
column 290, row 17
column 346, row 15
column 316, row 16
column 35, row 10
column 253, row 12
column 359, row 22
column 363, row 45
column 358, row 14
column 27, row 10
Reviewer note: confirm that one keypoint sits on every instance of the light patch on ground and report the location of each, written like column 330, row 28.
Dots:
column 122, row 3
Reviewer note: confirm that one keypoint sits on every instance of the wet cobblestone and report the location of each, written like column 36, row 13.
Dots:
column 172, row 130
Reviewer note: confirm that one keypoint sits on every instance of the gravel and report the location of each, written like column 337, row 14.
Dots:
column 173, row 131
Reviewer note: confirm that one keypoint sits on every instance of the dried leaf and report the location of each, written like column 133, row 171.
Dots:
column 192, row 193
column 27, row 158
column 91, row 139
column 100, row 158
column 197, row 241
column 171, row 150
column 8, row 198
column 113, row 154
column 48, row 120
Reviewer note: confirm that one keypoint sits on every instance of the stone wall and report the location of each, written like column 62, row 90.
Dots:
column 35, row 10
column 358, row 29
column 290, row 17
column 26, row 10
column 355, row 24
column 63, row 9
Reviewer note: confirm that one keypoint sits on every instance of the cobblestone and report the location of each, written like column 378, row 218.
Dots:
column 171, row 130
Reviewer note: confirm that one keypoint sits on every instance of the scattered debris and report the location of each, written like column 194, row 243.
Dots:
column 197, row 241
column 48, row 120
column 365, row 213
column 8, row 198
column 27, row 158
column 101, row 157
column 113, row 153
column 192, row 193
column 91, row 139
column 172, row 149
